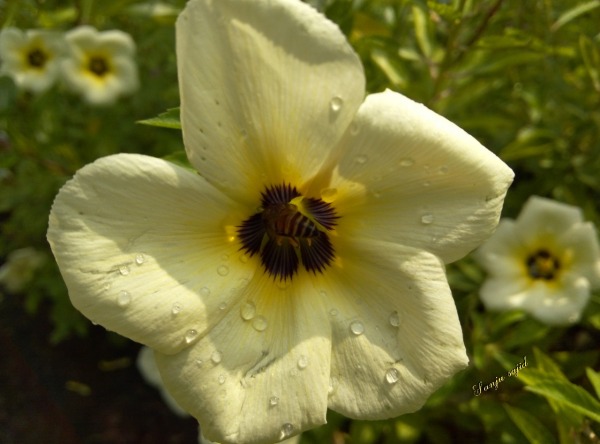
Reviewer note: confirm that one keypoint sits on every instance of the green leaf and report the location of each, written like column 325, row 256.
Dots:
column 565, row 393
column 180, row 158
column 530, row 426
column 168, row 119
column 591, row 58
column 573, row 13
column 594, row 378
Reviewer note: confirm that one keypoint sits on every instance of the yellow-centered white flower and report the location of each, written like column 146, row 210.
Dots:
column 303, row 268
column 545, row 262
column 32, row 57
column 101, row 66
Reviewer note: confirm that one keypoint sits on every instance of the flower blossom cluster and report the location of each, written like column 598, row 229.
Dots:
column 98, row 65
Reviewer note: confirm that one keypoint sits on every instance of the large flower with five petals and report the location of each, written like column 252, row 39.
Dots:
column 545, row 262
column 303, row 268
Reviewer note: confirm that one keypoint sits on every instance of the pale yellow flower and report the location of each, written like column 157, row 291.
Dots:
column 303, row 269
column 101, row 67
column 545, row 262
column 20, row 267
column 32, row 57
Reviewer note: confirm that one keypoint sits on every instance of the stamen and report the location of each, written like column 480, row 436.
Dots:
column 289, row 230
column 98, row 66
column 542, row 265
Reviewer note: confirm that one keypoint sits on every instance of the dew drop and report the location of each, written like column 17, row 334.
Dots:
column 216, row 357
column 302, row 362
column 394, row 319
column 244, row 258
column 199, row 363
column 426, row 183
column 333, row 312
column 336, row 104
column 332, row 386
column 273, row 401
column 205, row 292
column 407, row 162
column 221, row 379
column 259, row 323
column 222, row 305
column 357, row 328
column 361, row 159
column 223, row 270
column 139, row 259
column 123, row 299
column 124, row 270
column 444, row 169
column 392, row 375
column 190, row 335
column 354, row 129
column 286, row 431
column 427, row 219
column 248, row 311
column 176, row 308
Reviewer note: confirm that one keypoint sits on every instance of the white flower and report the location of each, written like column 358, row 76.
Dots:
column 545, row 262
column 32, row 57
column 19, row 268
column 101, row 66
column 146, row 365
column 304, row 268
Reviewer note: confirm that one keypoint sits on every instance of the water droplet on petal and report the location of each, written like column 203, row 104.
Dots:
column 176, row 308
column 392, row 375
column 199, row 363
column 357, row 328
column 244, row 258
column 259, row 323
column 222, row 305
column 333, row 312
column 205, row 292
column 286, row 431
column 190, row 335
column 395, row 319
column 248, row 311
column 407, row 162
column 336, row 104
column 139, row 259
column 426, row 183
column 332, row 386
column 273, row 401
column 444, row 169
column 216, row 357
column 123, row 299
column 223, row 270
column 361, row 159
column 124, row 270
column 354, row 129
column 302, row 362
column 221, row 379
column 427, row 218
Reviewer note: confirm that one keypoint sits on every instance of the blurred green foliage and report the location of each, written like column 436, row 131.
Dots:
column 521, row 76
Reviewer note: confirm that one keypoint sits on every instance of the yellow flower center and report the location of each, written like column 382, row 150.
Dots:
column 289, row 229
column 542, row 265
column 99, row 66
column 37, row 58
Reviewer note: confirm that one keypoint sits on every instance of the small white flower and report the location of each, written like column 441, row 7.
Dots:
column 101, row 66
column 303, row 268
column 545, row 262
column 31, row 57
column 19, row 268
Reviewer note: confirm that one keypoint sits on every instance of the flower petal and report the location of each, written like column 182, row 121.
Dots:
column 541, row 218
column 504, row 253
column 396, row 333
column 266, row 89
column 424, row 181
column 580, row 247
column 144, row 249
column 261, row 374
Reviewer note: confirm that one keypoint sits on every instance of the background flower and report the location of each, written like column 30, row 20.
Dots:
column 101, row 66
column 32, row 57
column 545, row 262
